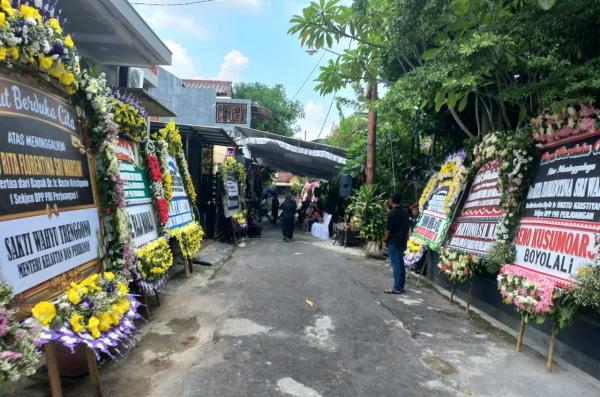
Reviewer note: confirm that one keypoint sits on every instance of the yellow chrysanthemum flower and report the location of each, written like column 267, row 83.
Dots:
column 74, row 296
column 110, row 276
column 2, row 53
column 114, row 315
column 69, row 42
column 123, row 290
column 105, row 322
column 7, row 8
column 76, row 322
column 67, row 78
column 54, row 24
column 45, row 312
column 26, row 11
column 14, row 53
column 3, row 22
column 92, row 326
column 45, row 62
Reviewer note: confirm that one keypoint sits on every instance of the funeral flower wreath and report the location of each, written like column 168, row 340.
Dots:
column 453, row 175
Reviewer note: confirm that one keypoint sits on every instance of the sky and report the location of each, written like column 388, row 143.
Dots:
column 243, row 41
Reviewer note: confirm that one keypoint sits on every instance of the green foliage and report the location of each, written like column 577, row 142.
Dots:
column 586, row 292
column 285, row 112
column 368, row 211
column 351, row 129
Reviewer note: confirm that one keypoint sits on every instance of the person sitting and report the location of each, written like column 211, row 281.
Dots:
column 315, row 216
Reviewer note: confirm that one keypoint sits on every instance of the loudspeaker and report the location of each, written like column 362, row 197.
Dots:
column 345, row 185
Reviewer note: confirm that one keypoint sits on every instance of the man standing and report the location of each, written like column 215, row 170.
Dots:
column 288, row 218
column 396, row 234
column 274, row 210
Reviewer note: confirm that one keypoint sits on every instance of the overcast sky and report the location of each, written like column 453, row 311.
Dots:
column 242, row 40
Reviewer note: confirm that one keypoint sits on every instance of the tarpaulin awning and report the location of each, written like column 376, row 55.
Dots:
column 200, row 134
column 299, row 157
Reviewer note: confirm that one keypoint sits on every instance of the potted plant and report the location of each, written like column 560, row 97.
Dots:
column 367, row 209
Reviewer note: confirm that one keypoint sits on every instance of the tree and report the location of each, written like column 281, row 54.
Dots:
column 326, row 23
column 285, row 112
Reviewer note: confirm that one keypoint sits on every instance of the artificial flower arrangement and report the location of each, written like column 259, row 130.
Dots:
column 240, row 218
column 190, row 238
column 155, row 260
column 130, row 115
column 157, row 187
column 564, row 122
column 170, row 134
column 453, row 176
column 96, row 96
column 232, row 167
column 32, row 37
column 457, row 266
column 19, row 353
column 517, row 153
column 98, row 312
column 532, row 294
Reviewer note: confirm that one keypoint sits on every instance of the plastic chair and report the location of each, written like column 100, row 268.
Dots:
column 321, row 230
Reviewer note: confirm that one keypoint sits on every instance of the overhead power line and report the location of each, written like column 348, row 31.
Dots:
column 187, row 3
column 308, row 77
column 327, row 115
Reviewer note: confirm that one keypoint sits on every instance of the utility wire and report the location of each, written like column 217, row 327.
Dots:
column 327, row 115
column 308, row 77
column 187, row 3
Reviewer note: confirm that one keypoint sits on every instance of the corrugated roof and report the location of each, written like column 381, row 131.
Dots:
column 223, row 88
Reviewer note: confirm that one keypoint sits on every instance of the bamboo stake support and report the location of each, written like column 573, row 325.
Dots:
column 90, row 357
column 550, row 362
column 470, row 295
column 186, row 267
column 452, row 293
column 147, row 305
column 421, row 273
column 520, row 336
column 53, row 373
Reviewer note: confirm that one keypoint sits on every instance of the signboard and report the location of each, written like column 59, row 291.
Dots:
column 49, row 222
column 139, row 207
column 232, row 201
column 557, row 234
column 180, row 212
column 474, row 230
column 434, row 221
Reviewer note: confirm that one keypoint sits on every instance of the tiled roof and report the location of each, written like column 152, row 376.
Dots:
column 223, row 88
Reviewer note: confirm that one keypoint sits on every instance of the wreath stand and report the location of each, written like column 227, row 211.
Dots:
column 54, row 375
column 520, row 335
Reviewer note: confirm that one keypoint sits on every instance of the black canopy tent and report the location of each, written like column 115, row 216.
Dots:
column 299, row 157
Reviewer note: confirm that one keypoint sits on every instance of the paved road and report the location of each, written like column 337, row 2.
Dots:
column 247, row 329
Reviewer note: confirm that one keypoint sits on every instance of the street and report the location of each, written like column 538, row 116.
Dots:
column 310, row 319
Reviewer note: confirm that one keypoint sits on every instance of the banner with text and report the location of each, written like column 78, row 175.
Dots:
column 49, row 222
column 232, row 200
column 180, row 212
column 433, row 223
column 557, row 234
column 474, row 229
column 137, row 193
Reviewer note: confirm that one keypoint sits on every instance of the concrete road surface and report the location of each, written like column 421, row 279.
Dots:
column 309, row 319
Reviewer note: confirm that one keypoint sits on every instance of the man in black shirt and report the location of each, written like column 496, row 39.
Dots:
column 396, row 235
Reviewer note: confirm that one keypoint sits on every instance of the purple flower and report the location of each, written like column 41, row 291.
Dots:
column 88, row 302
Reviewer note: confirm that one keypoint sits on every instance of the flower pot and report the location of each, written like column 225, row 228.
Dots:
column 373, row 249
column 71, row 364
